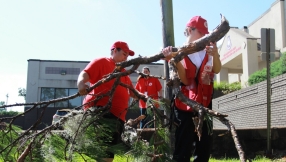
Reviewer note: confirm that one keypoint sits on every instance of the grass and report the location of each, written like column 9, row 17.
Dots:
column 257, row 159
column 237, row 160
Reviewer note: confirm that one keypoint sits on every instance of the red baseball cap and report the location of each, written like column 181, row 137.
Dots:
column 199, row 23
column 123, row 46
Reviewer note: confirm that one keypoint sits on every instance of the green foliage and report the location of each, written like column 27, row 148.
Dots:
column 22, row 92
column 54, row 149
column 85, row 139
column 6, row 139
column 209, row 121
column 2, row 103
column 8, row 113
column 277, row 68
column 256, row 159
column 226, row 88
column 141, row 148
column 93, row 142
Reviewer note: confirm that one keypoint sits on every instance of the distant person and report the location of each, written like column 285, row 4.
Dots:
column 95, row 71
column 151, row 87
column 196, row 72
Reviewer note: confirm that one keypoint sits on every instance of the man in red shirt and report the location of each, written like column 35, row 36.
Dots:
column 95, row 71
column 151, row 87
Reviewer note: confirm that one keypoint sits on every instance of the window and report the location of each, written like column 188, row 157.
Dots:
column 76, row 101
column 48, row 94
column 55, row 93
column 60, row 93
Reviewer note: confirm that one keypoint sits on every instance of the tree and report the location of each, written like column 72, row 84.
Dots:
column 1, row 104
column 22, row 92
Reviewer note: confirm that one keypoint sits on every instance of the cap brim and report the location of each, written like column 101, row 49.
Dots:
column 131, row 53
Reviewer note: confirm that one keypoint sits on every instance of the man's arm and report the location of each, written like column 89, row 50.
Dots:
column 216, row 63
column 83, row 77
column 160, row 94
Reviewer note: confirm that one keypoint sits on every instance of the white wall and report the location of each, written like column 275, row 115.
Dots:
column 272, row 18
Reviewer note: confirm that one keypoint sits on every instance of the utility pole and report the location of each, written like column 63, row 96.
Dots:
column 168, row 36
column 168, row 40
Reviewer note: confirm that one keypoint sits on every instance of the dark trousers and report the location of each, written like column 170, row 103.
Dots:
column 143, row 111
column 116, row 133
column 187, row 142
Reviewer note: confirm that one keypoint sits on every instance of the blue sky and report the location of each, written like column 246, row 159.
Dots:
column 81, row 30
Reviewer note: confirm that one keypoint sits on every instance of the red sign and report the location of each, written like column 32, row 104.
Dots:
column 230, row 52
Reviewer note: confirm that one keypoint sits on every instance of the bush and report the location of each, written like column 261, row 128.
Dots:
column 9, row 113
column 226, row 88
column 276, row 68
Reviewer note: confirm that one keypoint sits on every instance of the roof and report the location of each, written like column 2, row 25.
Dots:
column 242, row 33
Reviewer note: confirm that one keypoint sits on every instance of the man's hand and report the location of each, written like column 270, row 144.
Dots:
column 167, row 52
column 83, row 77
column 212, row 50
column 82, row 88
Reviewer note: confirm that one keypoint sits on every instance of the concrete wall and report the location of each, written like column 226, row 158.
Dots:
column 247, row 108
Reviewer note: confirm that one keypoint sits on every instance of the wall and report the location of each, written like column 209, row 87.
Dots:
column 247, row 108
column 272, row 18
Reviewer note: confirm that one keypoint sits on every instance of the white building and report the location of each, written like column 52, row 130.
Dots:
column 240, row 49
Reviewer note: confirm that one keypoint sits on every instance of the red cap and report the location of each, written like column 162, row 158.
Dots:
column 199, row 23
column 123, row 46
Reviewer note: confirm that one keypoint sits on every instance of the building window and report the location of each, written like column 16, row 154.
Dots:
column 76, row 101
column 48, row 94
column 54, row 93
column 60, row 93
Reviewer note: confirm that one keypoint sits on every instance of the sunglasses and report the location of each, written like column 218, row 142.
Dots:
column 186, row 33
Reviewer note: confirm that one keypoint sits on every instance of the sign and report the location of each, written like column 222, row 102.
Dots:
column 267, row 34
column 263, row 56
column 230, row 53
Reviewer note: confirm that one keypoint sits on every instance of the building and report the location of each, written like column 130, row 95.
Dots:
column 240, row 49
column 52, row 79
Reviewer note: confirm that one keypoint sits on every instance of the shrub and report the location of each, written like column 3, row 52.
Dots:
column 8, row 113
column 276, row 68
column 226, row 88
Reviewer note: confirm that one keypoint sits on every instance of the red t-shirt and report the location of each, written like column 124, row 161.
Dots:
column 150, row 85
column 96, row 70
